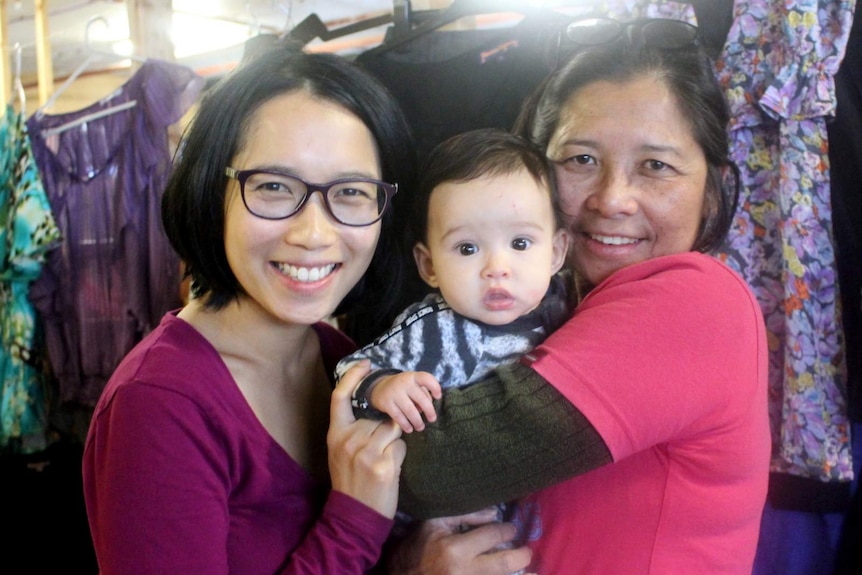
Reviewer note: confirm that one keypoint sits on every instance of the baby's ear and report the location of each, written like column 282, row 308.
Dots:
column 562, row 240
column 425, row 264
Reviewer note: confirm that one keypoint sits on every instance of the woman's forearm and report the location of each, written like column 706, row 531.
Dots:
column 495, row 441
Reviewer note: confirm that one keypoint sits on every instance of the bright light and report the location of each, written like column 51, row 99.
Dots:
column 123, row 47
column 193, row 35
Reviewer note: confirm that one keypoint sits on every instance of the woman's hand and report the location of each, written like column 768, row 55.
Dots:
column 365, row 456
column 443, row 547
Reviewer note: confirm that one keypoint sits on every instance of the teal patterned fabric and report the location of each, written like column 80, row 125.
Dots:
column 27, row 232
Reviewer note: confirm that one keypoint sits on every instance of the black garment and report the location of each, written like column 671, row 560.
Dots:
column 714, row 18
column 42, row 511
column 449, row 82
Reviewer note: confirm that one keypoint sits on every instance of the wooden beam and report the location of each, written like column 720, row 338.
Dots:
column 150, row 28
column 44, row 64
column 6, row 91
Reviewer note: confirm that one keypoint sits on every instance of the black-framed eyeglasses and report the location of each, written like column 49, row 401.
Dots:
column 274, row 195
column 661, row 33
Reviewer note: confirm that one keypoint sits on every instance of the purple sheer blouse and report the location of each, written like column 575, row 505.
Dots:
column 114, row 274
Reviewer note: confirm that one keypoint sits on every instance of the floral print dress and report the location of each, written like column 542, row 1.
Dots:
column 27, row 232
column 777, row 69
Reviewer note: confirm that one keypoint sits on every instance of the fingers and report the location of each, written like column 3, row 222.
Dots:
column 340, row 410
column 422, row 401
column 430, row 383
column 406, row 398
column 475, row 519
column 365, row 458
column 488, row 550
column 406, row 420
column 503, row 562
column 414, row 404
column 490, row 544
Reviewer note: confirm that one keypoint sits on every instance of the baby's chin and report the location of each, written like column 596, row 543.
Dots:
column 498, row 317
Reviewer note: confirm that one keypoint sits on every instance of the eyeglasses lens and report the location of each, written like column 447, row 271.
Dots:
column 277, row 196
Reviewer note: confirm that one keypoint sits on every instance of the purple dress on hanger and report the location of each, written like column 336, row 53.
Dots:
column 115, row 274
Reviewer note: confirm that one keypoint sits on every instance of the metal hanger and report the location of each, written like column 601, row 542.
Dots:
column 16, row 81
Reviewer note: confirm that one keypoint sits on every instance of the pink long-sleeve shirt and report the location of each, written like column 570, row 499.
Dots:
column 181, row 477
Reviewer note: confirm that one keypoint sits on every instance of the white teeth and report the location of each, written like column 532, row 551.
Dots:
column 306, row 274
column 613, row 240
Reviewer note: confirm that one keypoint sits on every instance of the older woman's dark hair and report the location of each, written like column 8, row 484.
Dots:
column 475, row 154
column 193, row 206
column 689, row 75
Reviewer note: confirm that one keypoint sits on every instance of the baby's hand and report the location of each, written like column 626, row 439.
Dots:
column 405, row 397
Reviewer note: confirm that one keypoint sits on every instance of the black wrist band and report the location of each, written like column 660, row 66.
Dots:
column 362, row 408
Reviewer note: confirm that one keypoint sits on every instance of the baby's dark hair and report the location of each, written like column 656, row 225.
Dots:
column 475, row 154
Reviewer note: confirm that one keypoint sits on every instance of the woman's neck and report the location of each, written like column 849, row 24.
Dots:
column 244, row 330
column 278, row 369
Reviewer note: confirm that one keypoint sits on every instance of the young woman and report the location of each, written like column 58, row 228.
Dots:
column 215, row 448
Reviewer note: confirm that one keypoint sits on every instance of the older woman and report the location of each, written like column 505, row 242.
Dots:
column 636, row 436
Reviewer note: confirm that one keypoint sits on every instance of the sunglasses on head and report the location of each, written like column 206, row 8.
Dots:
column 661, row 33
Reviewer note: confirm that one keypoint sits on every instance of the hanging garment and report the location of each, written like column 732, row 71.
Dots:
column 27, row 232
column 845, row 155
column 782, row 239
column 451, row 81
column 115, row 274
column 777, row 69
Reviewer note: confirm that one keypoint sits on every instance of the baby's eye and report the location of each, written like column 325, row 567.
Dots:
column 467, row 249
column 521, row 244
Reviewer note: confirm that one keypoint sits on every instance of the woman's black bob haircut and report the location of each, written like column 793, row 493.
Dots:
column 193, row 205
column 689, row 75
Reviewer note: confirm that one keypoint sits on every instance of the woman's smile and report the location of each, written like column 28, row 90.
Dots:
column 305, row 273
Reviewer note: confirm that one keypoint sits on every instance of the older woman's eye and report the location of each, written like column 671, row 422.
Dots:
column 656, row 165
column 583, row 159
